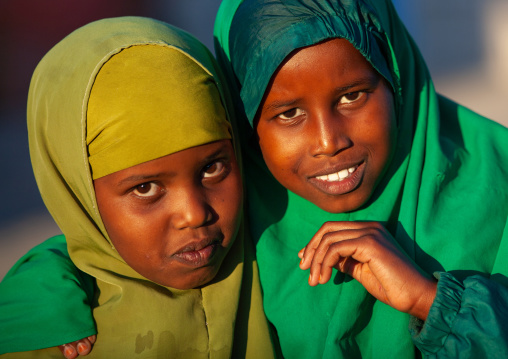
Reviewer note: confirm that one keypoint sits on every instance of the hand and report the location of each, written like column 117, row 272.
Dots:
column 77, row 348
column 368, row 253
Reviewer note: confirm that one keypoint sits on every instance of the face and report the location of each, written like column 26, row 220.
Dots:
column 326, row 126
column 174, row 219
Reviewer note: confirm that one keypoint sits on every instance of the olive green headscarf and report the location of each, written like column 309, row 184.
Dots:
column 444, row 197
column 151, row 116
column 149, row 101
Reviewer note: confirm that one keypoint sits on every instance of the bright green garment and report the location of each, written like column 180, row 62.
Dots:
column 444, row 197
column 35, row 304
column 135, row 318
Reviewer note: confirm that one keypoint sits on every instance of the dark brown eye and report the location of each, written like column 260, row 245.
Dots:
column 146, row 189
column 213, row 169
column 290, row 114
column 351, row 97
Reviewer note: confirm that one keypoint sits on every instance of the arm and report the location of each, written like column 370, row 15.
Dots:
column 466, row 320
column 45, row 301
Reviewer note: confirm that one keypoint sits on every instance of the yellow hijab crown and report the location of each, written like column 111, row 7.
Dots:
column 149, row 101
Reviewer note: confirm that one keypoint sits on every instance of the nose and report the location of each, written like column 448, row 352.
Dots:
column 190, row 208
column 329, row 135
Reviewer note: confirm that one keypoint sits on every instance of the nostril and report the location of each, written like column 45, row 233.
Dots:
column 331, row 145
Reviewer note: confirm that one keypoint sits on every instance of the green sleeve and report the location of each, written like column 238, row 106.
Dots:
column 466, row 320
column 45, row 300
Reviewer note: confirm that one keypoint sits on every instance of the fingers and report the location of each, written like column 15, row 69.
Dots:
column 307, row 253
column 68, row 350
column 340, row 245
column 84, row 346
column 77, row 348
column 343, row 251
column 92, row 338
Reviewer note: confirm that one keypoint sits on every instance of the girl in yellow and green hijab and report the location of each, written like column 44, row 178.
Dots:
column 130, row 132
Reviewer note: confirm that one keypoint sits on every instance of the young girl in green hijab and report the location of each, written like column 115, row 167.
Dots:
column 349, row 147
column 132, row 151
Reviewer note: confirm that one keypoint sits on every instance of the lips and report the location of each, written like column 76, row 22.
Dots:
column 339, row 181
column 198, row 253
column 337, row 176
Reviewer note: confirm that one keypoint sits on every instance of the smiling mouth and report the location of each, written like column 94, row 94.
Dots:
column 198, row 254
column 337, row 176
column 340, row 182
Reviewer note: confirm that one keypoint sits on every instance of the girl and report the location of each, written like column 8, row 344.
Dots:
column 131, row 148
column 341, row 104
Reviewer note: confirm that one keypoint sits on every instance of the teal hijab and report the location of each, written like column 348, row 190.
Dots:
column 444, row 197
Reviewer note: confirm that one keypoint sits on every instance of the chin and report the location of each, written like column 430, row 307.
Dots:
column 195, row 280
column 340, row 205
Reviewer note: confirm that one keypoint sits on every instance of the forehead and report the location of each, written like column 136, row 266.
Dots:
column 334, row 62
column 338, row 53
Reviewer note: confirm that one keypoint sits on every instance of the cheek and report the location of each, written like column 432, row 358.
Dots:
column 131, row 234
column 383, row 135
column 281, row 154
column 118, row 223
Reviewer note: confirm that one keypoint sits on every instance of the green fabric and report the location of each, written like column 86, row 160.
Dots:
column 444, row 197
column 25, row 295
column 120, row 106
column 466, row 320
column 134, row 317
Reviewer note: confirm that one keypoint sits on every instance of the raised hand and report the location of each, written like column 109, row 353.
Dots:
column 367, row 252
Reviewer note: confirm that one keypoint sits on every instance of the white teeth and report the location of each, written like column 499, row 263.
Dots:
column 343, row 174
column 332, row 177
column 337, row 176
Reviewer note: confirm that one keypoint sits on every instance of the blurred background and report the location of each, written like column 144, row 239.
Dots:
column 465, row 44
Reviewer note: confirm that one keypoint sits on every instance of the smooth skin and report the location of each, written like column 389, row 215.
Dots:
column 174, row 219
column 327, row 131
column 327, row 110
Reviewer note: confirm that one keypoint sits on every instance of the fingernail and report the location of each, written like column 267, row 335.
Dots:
column 320, row 278
column 310, row 277
column 82, row 347
column 68, row 351
column 301, row 261
column 92, row 338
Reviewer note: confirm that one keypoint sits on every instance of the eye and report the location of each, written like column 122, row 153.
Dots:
column 291, row 114
column 146, row 190
column 213, row 169
column 351, row 97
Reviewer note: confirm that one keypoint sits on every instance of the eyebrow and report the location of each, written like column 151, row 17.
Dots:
column 146, row 177
column 276, row 105
column 214, row 154
column 139, row 178
column 367, row 80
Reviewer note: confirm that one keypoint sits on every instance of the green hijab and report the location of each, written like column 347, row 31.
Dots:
column 134, row 316
column 444, row 197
